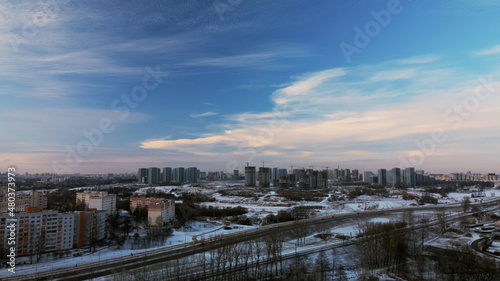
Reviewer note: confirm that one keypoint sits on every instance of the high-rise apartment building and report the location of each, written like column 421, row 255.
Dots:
column 250, row 175
column 323, row 179
column 192, row 175
column 344, row 175
column 410, row 177
column 142, row 175
column 179, row 174
column 24, row 200
column 396, row 176
column 274, row 176
column 153, row 175
column 366, row 176
column 355, row 175
column 491, row 177
column 39, row 232
column 264, row 177
column 90, row 227
column 313, row 178
column 167, row 175
column 382, row 177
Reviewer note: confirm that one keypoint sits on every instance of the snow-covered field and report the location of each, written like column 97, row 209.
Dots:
column 260, row 204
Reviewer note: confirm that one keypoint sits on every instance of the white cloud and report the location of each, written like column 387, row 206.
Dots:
column 423, row 59
column 490, row 51
column 390, row 75
column 206, row 114
column 262, row 58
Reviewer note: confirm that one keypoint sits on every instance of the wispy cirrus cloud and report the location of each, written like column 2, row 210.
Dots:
column 423, row 59
column 394, row 75
column 206, row 114
column 489, row 51
column 261, row 58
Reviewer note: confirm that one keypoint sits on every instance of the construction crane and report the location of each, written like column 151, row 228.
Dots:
column 327, row 167
column 263, row 163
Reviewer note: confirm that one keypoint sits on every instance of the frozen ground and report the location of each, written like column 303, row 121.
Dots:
column 260, row 205
column 494, row 248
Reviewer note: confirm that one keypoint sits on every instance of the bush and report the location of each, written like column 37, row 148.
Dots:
column 303, row 195
column 196, row 197
column 210, row 211
column 243, row 220
column 427, row 198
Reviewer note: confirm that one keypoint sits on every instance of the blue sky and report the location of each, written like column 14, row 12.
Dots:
column 230, row 82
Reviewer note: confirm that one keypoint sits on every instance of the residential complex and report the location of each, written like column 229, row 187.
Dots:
column 155, row 175
column 99, row 200
column 161, row 213
column 250, row 176
column 90, row 227
column 39, row 231
column 138, row 202
column 24, row 199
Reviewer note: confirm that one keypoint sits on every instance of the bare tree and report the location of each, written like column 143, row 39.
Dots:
column 322, row 266
column 460, row 262
column 466, row 204
column 441, row 217
column 300, row 232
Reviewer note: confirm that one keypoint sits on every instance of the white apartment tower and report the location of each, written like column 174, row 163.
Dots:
column 99, row 200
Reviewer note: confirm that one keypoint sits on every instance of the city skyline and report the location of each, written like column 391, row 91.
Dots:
column 164, row 177
column 104, row 87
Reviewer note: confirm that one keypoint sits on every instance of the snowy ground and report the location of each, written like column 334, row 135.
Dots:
column 494, row 247
column 198, row 230
column 260, row 205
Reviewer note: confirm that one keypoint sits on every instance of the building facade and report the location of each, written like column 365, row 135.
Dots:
column 410, row 177
column 153, row 175
column 137, row 202
column 366, row 176
column 23, row 200
column 90, row 227
column 161, row 213
column 250, row 176
column 142, row 175
column 192, row 175
column 382, row 177
column 264, row 177
column 396, row 176
column 179, row 175
column 167, row 175
column 99, row 200
column 38, row 232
